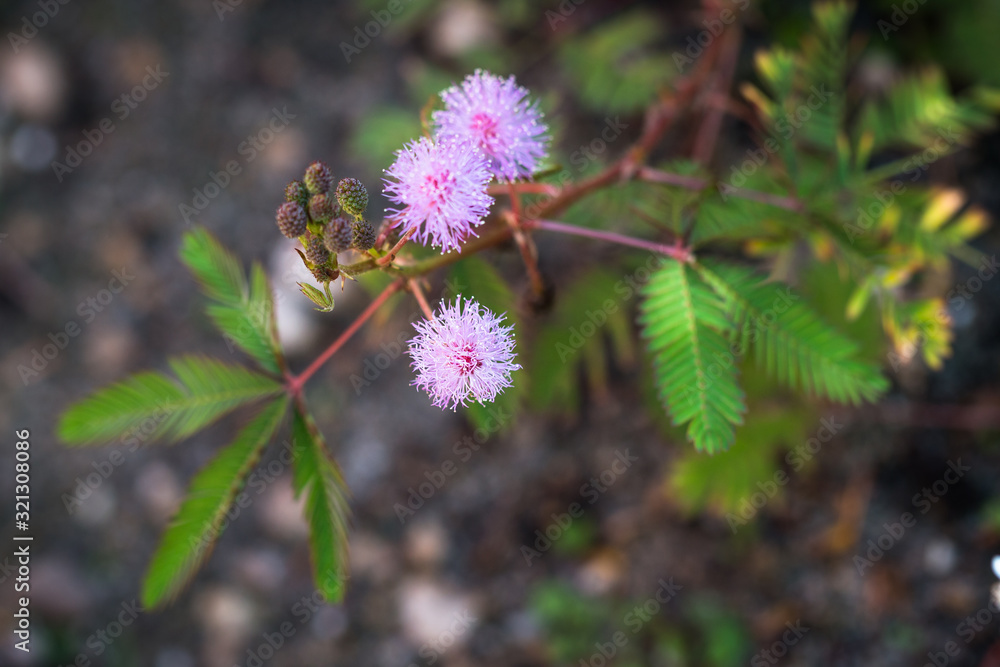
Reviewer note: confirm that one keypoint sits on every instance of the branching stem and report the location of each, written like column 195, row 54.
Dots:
column 677, row 251
column 295, row 383
column 520, row 220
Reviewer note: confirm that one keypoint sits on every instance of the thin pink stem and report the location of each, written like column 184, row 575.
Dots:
column 391, row 255
column 528, row 252
column 656, row 176
column 418, row 294
column 764, row 198
column 295, row 383
column 651, row 175
column 524, row 188
column 678, row 252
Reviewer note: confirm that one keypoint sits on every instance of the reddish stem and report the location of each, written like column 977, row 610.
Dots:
column 678, row 252
column 527, row 187
column 391, row 255
column 515, row 201
column 418, row 294
column 651, row 175
column 528, row 251
column 295, row 383
column 708, row 132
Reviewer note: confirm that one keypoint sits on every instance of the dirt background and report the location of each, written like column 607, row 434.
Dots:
column 64, row 236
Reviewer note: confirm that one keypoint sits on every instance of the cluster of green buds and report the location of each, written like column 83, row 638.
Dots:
column 326, row 220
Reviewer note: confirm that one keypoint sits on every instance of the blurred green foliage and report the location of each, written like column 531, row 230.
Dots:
column 689, row 631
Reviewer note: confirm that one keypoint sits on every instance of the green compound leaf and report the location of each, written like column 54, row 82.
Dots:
column 199, row 522
column 326, row 508
column 686, row 328
column 205, row 390
column 789, row 340
column 244, row 313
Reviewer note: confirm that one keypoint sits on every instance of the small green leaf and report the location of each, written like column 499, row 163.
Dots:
column 319, row 298
column 205, row 390
column 199, row 522
column 694, row 371
column 326, row 509
column 244, row 313
column 860, row 298
column 218, row 271
column 921, row 112
column 789, row 340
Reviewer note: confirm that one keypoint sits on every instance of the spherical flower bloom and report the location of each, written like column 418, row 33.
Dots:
column 441, row 189
column 463, row 354
column 494, row 114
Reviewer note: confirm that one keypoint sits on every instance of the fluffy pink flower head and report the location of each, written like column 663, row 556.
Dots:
column 463, row 354
column 494, row 114
column 441, row 190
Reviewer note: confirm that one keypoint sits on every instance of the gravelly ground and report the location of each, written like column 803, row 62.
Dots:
column 117, row 216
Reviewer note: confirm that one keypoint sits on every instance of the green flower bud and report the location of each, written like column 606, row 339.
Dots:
column 353, row 196
column 318, row 178
column 296, row 192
